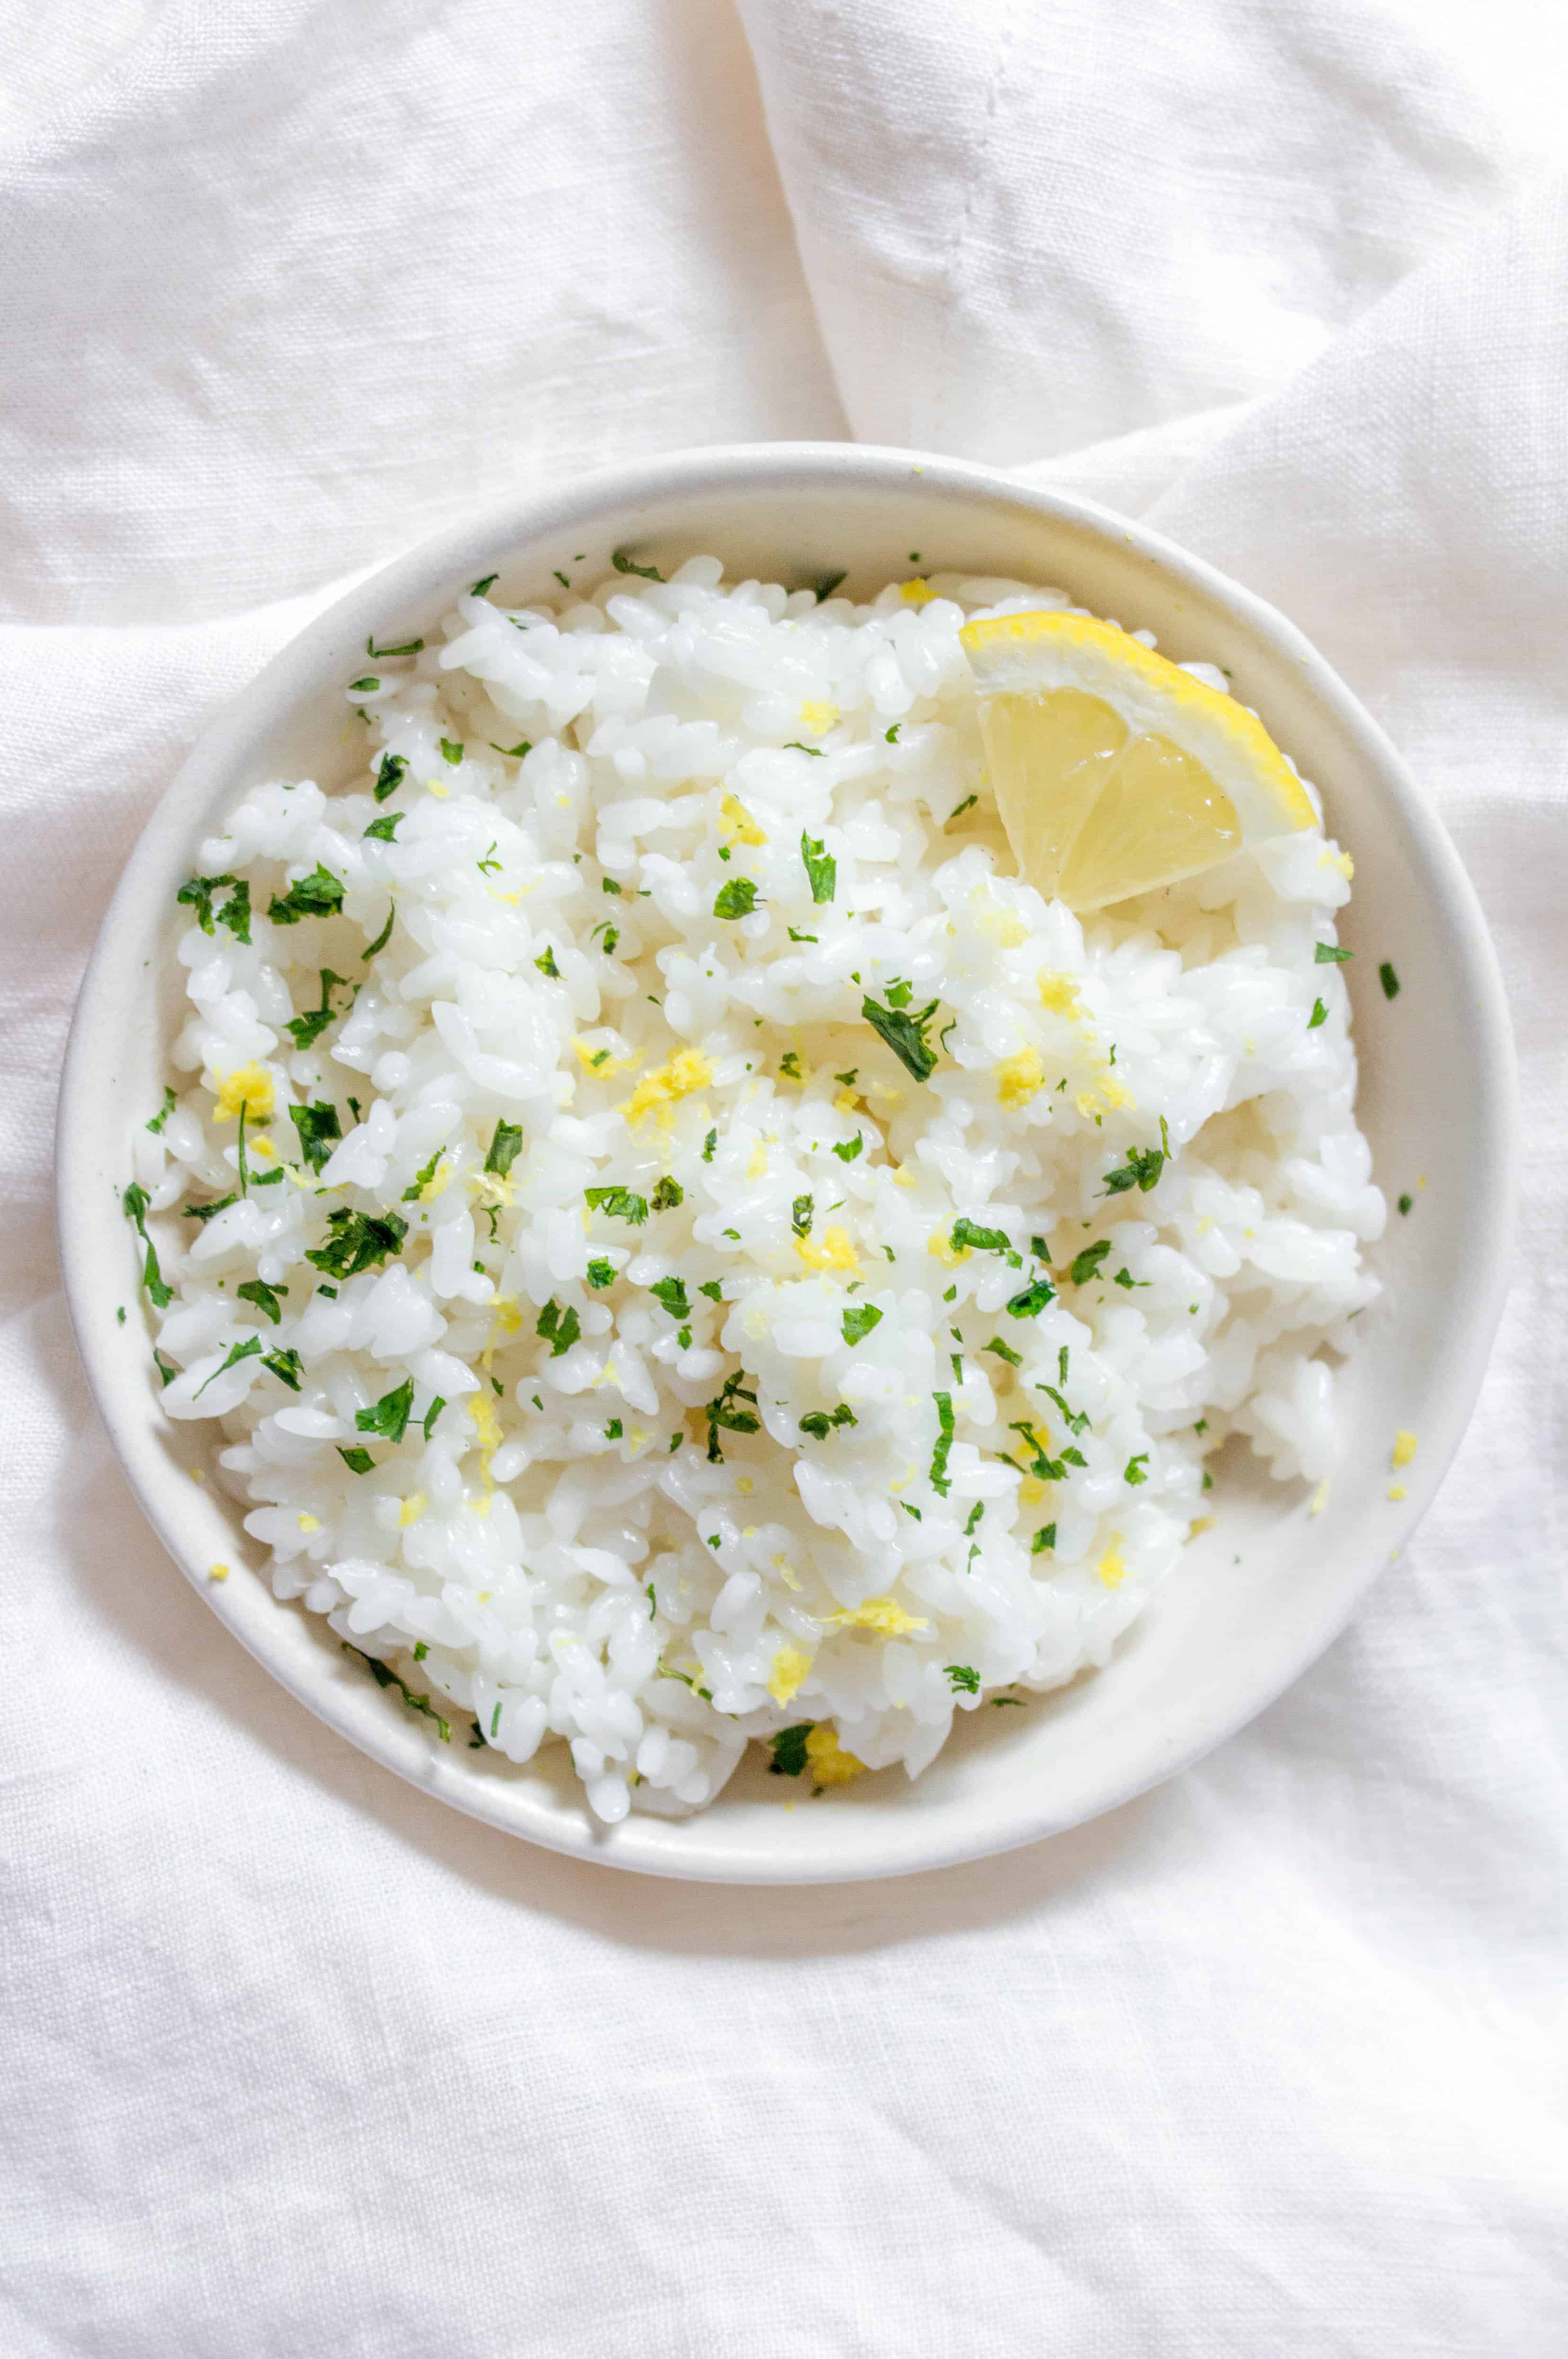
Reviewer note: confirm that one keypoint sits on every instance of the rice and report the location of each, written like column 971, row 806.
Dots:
column 611, row 1330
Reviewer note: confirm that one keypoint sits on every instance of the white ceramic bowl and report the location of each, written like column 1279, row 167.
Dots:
column 1262, row 1594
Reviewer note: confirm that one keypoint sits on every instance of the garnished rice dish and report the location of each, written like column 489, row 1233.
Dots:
column 683, row 1242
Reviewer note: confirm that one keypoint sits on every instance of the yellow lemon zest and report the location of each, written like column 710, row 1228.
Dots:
column 1396, row 1491
column 787, row 1575
column 261, row 1150
column 818, row 716
column 1059, row 993
column 1003, row 926
column 688, row 1070
column 310, row 1523
column 832, row 1250
column 413, row 1508
column 789, row 1670
column 900, row 1176
column 916, row 591
column 248, row 1086
column 440, row 1179
column 759, row 1161
column 940, row 1246
column 217, row 1572
column 1319, row 1498
column 606, row 1065
column 1199, row 1523
column 1019, row 1078
column 744, row 1483
column 1090, row 1102
column 492, row 1187
column 1405, row 1447
column 505, row 1319
column 1115, row 1092
column 884, row 1615
column 734, row 812
column 486, row 1424
column 846, row 1101
column 1340, row 860
column 1030, row 1491
column 1112, row 1566
column 830, row 1764
column 434, row 786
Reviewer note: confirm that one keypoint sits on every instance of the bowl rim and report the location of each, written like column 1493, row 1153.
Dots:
column 891, row 1844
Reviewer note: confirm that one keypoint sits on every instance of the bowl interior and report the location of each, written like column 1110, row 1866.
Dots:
column 1258, row 1597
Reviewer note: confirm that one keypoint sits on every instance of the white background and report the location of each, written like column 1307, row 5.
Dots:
column 1268, row 2064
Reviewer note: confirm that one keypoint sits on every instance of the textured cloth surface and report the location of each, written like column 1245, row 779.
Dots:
column 1266, row 2062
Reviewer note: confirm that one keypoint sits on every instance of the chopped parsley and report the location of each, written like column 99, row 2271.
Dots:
column 389, row 1415
column 1136, row 1469
column 385, row 829
column 205, row 1213
column 390, row 776
column 1003, row 1351
column 1141, row 1169
column 560, row 1329
column 545, row 963
column 789, row 1749
column 1045, row 1538
column 305, row 1031
column 708, row 1144
column 789, row 1066
column 1032, row 1301
column 793, row 745
column 965, row 1681
column 319, row 894
column 1125, row 1279
column 1389, row 980
column 938, row 1477
column 736, row 897
column 671, row 1292
column 197, row 894
column 668, row 1193
column 380, row 654
column 821, row 868
column 1076, row 1420
column 318, row 1131
column 622, row 564
column 602, row 1273
column 358, row 1240
column 1326, row 954
column 166, row 1368
column 713, row 1290
column 959, row 808
column 801, row 1213
column 503, row 1147
column 477, row 589
column 1085, row 1264
column 968, row 1232
column 904, row 1035
column 1405, row 1203
column 431, row 1414
column 900, row 993
column 892, row 735
column 859, row 1321
column 847, row 1154
column 135, row 1203
column 820, row 1423
column 513, row 752
column 266, row 1298
column 249, row 1350
column 618, row 1204
column 287, row 1366
column 1319, row 1015
column 800, row 937
column 382, row 939
column 382, row 1673
column 613, row 1429
column 723, row 1412
column 158, row 1120
column 827, row 584
column 451, row 750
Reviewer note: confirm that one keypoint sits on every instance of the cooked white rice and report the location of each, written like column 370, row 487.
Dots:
column 573, row 1547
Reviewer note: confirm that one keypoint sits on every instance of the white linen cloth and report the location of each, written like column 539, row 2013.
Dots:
column 1266, row 2064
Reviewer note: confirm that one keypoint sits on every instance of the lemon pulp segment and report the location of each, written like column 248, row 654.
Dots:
column 1114, row 771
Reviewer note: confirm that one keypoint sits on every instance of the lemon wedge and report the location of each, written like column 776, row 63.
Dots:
column 1116, row 772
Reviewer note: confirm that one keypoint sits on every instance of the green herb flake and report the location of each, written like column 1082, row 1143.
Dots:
column 319, row 1130
column 545, row 963
column 1406, row 1202
column 477, row 589
column 847, row 1154
column 1085, row 1264
column 1136, row 1469
column 859, row 1321
column 793, row 745
column 613, row 1429
column 821, row 868
column 892, row 735
column 1326, row 954
column 904, row 1035
column 267, row 1298
column 287, row 1366
column 801, row 1214
column 166, row 1368
column 389, row 776
column 158, row 1120
column 381, row 941
column 319, row 894
column 135, row 1203
column 600, row 1274
column 671, row 1292
column 1032, row 1301
column 307, row 1029
column 503, row 1147
column 1003, row 1351
column 622, row 564
column 1389, row 980
column 800, row 937
column 560, row 1329
column 723, row 1412
column 789, row 1749
column 427, row 1424
column 966, row 1680
column 968, row 1232
column 959, row 808
column 385, row 829
column 388, row 1416
column 513, row 752
column 1140, row 1170
column 737, row 897
column 938, row 1475
column 205, row 1213
column 249, row 1350
column 668, row 1193
column 617, row 1204
column 1319, row 1015
column 1045, row 1538
column 383, row 1674
column 358, row 1240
